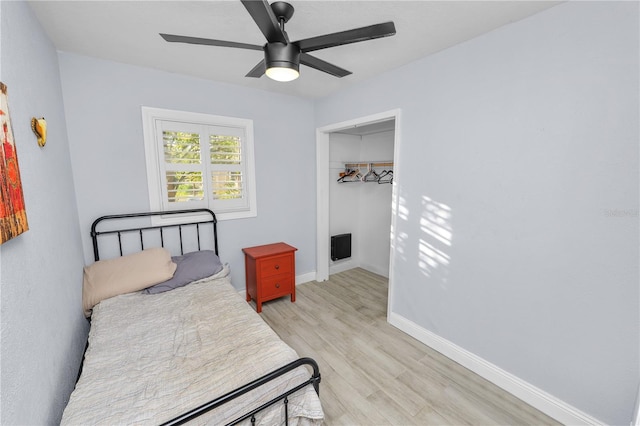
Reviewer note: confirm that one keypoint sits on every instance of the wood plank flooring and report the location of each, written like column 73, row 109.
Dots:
column 374, row 374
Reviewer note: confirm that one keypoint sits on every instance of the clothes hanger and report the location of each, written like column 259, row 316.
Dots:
column 371, row 176
column 351, row 176
column 357, row 177
column 345, row 175
column 384, row 177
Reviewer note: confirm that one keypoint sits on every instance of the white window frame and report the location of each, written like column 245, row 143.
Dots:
column 151, row 117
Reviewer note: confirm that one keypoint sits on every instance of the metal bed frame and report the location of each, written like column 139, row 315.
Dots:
column 160, row 228
column 199, row 227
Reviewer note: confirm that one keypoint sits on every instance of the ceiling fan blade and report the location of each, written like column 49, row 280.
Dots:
column 257, row 71
column 266, row 20
column 345, row 37
column 207, row 41
column 320, row 65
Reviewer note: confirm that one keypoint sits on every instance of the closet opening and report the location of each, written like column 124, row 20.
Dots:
column 356, row 169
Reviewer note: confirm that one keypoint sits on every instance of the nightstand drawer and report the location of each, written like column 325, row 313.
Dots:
column 276, row 265
column 277, row 285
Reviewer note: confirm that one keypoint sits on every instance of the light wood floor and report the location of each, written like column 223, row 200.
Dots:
column 374, row 374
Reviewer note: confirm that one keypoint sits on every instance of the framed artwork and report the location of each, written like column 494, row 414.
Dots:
column 13, row 216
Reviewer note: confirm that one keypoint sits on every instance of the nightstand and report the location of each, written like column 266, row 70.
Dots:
column 270, row 272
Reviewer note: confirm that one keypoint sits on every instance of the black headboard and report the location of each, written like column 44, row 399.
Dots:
column 159, row 233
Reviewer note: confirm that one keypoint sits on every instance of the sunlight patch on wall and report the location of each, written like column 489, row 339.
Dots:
column 403, row 211
column 436, row 220
column 399, row 239
column 402, row 237
column 435, row 224
column 429, row 257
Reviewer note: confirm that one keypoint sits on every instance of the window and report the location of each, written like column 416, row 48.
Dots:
column 199, row 161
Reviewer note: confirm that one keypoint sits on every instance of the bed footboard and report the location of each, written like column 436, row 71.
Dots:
column 314, row 380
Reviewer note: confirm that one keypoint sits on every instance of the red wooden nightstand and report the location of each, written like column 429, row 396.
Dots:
column 270, row 272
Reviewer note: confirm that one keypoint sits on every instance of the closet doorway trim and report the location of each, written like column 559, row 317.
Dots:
column 322, row 190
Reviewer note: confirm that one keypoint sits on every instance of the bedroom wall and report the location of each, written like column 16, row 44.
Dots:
column 102, row 105
column 43, row 329
column 519, row 240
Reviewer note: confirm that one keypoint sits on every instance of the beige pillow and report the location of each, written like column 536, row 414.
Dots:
column 126, row 274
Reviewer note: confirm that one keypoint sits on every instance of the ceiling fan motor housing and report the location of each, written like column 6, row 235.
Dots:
column 281, row 55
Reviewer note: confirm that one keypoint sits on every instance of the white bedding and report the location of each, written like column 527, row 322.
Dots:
column 153, row 357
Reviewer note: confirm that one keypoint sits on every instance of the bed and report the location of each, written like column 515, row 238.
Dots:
column 194, row 353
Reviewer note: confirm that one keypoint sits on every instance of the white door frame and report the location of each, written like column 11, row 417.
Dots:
column 322, row 189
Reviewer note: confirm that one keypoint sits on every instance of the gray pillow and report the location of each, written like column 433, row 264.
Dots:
column 190, row 267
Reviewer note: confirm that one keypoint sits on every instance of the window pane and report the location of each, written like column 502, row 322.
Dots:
column 225, row 149
column 181, row 147
column 226, row 185
column 184, row 186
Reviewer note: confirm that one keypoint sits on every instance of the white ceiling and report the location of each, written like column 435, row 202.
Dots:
column 127, row 31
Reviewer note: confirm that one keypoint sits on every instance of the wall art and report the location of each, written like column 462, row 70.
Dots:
column 13, row 216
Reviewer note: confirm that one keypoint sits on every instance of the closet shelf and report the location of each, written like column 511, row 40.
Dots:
column 368, row 164
column 353, row 172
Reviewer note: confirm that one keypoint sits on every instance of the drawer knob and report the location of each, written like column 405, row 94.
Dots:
column 277, row 285
column 277, row 266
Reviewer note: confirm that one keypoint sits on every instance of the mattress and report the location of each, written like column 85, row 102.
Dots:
column 153, row 357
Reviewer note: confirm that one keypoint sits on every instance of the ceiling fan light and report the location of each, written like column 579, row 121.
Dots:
column 283, row 74
column 282, row 61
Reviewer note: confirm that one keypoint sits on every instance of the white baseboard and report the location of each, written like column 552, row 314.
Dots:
column 548, row 404
column 341, row 266
column 305, row 278
column 375, row 269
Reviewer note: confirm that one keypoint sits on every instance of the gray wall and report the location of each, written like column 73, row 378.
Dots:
column 102, row 105
column 527, row 138
column 43, row 329
column 519, row 164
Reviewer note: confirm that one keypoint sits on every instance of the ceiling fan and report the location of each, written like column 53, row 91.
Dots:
column 282, row 58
